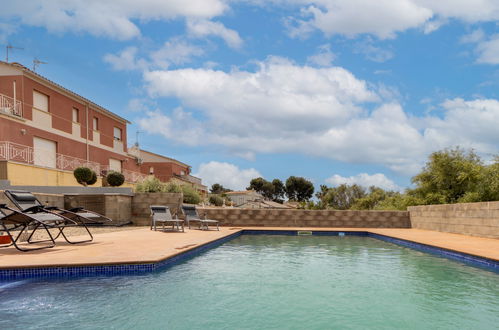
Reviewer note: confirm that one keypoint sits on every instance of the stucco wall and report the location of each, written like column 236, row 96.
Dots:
column 141, row 214
column 308, row 218
column 476, row 219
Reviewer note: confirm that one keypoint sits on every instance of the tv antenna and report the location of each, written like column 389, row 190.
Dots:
column 37, row 62
column 9, row 46
column 137, row 138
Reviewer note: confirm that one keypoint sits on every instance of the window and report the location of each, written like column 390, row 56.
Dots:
column 76, row 115
column 96, row 124
column 40, row 101
column 44, row 152
column 151, row 170
column 115, row 165
column 182, row 173
column 117, row 133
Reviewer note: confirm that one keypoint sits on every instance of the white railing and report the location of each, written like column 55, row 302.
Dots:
column 130, row 176
column 8, row 106
column 25, row 154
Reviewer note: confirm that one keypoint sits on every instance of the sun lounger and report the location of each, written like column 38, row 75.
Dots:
column 191, row 214
column 54, row 217
column 16, row 223
column 161, row 214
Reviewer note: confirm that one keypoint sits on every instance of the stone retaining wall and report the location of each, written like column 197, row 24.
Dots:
column 308, row 218
column 476, row 219
column 141, row 214
column 114, row 206
column 47, row 199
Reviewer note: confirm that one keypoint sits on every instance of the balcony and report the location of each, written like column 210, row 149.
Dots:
column 9, row 107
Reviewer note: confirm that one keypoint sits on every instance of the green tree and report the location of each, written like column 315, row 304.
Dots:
column 343, row 196
column 217, row 188
column 448, row 177
column 299, row 189
column 262, row 186
column 279, row 191
column 191, row 196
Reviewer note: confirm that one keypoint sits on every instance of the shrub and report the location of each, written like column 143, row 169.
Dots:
column 216, row 200
column 149, row 184
column 191, row 196
column 115, row 179
column 171, row 187
column 83, row 175
column 94, row 178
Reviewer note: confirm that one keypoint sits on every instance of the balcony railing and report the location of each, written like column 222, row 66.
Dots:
column 25, row 154
column 8, row 106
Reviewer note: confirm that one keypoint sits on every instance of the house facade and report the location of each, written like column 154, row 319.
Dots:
column 46, row 131
column 167, row 169
column 244, row 196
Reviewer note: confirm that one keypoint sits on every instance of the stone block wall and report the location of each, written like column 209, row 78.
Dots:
column 476, row 219
column 114, row 206
column 140, row 212
column 308, row 218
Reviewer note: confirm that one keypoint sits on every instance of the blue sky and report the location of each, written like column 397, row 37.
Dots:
column 337, row 91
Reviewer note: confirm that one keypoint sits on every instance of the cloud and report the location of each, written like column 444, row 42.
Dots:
column 371, row 52
column 228, row 175
column 175, row 51
column 204, row 28
column 384, row 18
column 126, row 60
column 488, row 51
column 282, row 107
column 323, row 57
column 113, row 19
column 365, row 180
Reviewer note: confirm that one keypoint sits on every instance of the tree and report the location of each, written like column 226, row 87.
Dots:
column 343, row 196
column 263, row 187
column 115, row 179
column 217, row 188
column 299, row 189
column 279, row 191
column 448, row 177
column 85, row 176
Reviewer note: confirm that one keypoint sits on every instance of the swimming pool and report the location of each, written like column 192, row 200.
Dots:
column 268, row 281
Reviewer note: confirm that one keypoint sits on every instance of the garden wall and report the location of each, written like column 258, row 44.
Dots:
column 141, row 214
column 308, row 218
column 47, row 199
column 114, row 206
column 476, row 219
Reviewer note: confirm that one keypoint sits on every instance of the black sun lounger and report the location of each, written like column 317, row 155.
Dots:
column 16, row 223
column 161, row 214
column 54, row 217
column 191, row 214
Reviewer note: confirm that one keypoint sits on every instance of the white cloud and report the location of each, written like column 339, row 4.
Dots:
column 473, row 37
column 204, row 28
column 175, row 51
column 365, row 180
column 488, row 51
column 283, row 107
column 126, row 60
column 385, row 18
column 371, row 52
column 323, row 57
column 228, row 175
column 112, row 19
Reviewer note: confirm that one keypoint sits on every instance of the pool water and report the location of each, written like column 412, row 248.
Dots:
column 270, row 282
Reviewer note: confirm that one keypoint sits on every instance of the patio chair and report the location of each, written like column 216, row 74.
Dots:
column 191, row 214
column 16, row 223
column 54, row 217
column 161, row 214
column 25, row 199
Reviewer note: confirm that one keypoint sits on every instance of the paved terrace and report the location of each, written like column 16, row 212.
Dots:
column 136, row 246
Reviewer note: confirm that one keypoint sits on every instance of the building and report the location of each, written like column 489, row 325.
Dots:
column 167, row 169
column 46, row 131
column 243, row 197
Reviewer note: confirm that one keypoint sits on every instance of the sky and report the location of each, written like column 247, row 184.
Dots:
column 336, row 91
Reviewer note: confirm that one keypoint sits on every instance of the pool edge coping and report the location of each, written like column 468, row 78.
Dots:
column 148, row 266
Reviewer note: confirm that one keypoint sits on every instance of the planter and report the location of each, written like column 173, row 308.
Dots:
column 5, row 239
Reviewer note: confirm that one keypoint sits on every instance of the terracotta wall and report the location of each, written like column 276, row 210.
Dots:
column 308, row 218
column 476, row 219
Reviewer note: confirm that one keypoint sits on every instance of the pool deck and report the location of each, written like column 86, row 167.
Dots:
column 142, row 246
